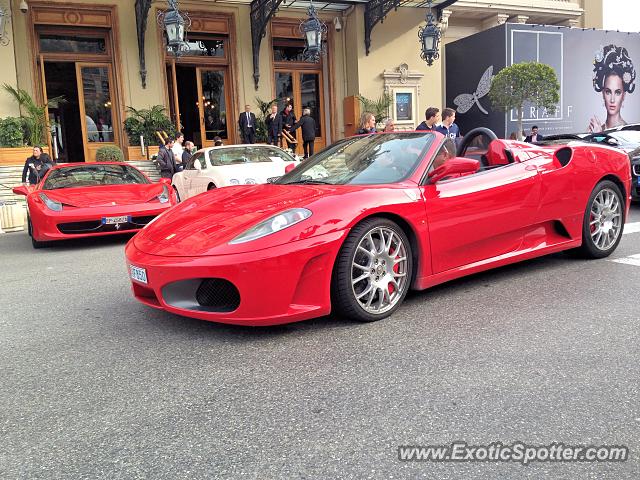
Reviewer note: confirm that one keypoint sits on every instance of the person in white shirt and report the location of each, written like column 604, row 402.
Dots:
column 177, row 150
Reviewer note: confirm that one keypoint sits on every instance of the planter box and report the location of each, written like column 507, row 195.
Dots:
column 16, row 156
column 135, row 154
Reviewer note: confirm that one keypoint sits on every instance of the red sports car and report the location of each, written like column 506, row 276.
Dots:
column 355, row 227
column 89, row 199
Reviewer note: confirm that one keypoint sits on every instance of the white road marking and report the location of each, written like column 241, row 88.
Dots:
column 630, row 260
column 631, row 228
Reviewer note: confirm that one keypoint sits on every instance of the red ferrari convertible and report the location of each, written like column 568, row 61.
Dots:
column 88, row 199
column 355, row 227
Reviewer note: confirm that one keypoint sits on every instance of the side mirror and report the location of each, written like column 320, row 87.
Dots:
column 457, row 166
column 21, row 190
column 166, row 181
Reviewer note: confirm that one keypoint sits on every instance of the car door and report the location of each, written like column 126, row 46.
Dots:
column 481, row 216
column 201, row 179
column 191, row 172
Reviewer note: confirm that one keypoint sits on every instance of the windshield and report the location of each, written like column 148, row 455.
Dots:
column 92, row 175
column 370, row 160
column 230, row 156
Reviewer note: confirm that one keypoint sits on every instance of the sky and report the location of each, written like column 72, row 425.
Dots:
column 623, row 15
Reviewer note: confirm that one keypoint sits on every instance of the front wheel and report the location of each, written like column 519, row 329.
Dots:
column 603, row 221
column 372, row 274
column 211, row 186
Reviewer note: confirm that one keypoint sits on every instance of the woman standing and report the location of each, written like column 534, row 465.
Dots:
column 614, row 76
column 288, row 121
column 367, row 124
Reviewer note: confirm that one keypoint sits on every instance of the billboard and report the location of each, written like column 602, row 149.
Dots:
column 596, row 70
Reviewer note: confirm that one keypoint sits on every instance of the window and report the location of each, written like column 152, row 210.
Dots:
column 196, row 157
column 285, row 50
column 60, row 43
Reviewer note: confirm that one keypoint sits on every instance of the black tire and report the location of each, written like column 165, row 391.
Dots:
column 211, row 186
column 35, row 243
column 29, row 228
column 589, row 249
column 344, row 301
column 177, row 194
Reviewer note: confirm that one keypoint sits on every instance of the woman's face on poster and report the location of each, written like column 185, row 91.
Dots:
column 613, row 94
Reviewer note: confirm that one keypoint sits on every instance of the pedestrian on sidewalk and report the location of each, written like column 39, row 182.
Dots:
column 308, row 126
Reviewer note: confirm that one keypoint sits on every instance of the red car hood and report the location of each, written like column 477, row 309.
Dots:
column 105, row 195
column 198, row 225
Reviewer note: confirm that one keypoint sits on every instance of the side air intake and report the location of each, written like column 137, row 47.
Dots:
column 564, row 156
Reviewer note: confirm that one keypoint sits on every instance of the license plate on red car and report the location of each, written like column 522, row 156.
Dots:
column 138, row 274
column 114, row 220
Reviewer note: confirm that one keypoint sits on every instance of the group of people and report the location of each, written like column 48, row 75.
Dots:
column 173, row 155
column 444, row 125
column 281, row 127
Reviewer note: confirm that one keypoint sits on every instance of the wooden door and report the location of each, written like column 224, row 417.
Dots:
column 95, row 94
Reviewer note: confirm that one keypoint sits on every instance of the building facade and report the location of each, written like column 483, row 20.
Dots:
column 102, row 60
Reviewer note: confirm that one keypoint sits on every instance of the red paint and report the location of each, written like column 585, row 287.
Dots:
column 460, row 226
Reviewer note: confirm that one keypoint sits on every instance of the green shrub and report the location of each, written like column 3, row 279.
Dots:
column 11, row 132
column 109, row 153
column 146, row 122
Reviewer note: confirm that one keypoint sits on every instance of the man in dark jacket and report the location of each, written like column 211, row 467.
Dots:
column 288, row 121
column 274, row 126
column 247, row 124
column 432, row 116
column 166, row 159
column 535, row 136
column 36, row 166
column 308, row 126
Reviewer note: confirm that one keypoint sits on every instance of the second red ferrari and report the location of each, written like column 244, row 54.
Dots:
column 90, row 199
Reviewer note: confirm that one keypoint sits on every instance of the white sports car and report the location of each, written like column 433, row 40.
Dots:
column 216, row 167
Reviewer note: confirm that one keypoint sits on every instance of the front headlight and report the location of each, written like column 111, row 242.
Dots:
column 272, row 225
column 164, row 196
column 234, row 181
column 52, row 204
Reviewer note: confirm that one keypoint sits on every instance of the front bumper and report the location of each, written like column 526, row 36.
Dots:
column 285, row 284
column 87, row 222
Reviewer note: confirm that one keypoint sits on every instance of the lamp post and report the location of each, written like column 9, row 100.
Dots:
column 175, row 24
column 313, row 30
column 429, row 36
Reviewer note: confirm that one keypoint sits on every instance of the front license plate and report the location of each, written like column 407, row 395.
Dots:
column 138, row 274
column 113, row 220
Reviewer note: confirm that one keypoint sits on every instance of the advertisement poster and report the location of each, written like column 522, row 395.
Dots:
column 596, row 70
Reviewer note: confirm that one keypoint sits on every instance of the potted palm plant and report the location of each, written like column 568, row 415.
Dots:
column 150, row 124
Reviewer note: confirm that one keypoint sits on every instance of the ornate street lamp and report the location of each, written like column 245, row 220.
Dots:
column 175, row 25
column 429, row 36
column 313, row 30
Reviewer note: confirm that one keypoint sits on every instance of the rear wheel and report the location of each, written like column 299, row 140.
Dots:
column 603, row 221
column 373, row 271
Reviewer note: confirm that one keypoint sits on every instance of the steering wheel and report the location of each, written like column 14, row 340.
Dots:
column 486, row 133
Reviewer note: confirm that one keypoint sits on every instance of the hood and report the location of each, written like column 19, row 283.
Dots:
column 198, row 225
column 105, row 195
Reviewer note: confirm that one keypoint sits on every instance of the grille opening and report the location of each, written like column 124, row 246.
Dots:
column 79, row 227
column 218, row 294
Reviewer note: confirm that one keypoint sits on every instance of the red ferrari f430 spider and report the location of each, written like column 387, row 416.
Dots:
column 352, row 229
column 89, row 199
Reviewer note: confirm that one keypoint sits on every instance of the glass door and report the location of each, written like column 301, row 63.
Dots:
column 303, row 89
column 212, row 105
column 96, row 115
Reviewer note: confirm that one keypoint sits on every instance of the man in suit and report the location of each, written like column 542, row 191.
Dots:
column 274, row 125
column 308, row 126
column 247, row 124
column 535, row 136
column 166, row 159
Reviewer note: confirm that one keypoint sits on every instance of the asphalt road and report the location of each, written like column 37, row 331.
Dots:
column 95, row 385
